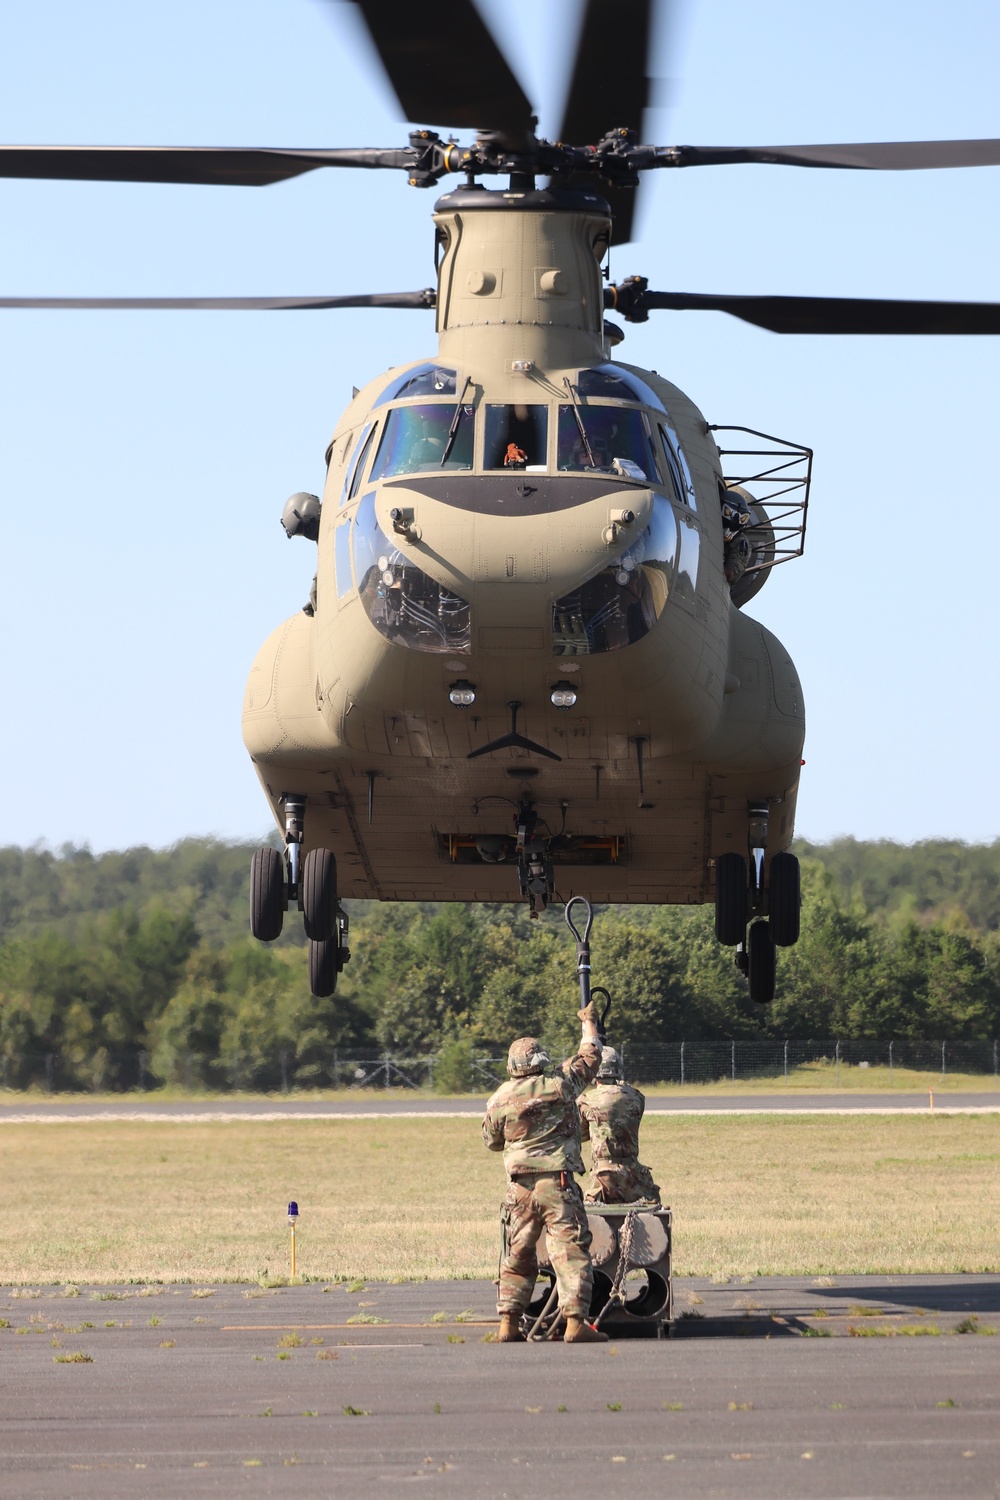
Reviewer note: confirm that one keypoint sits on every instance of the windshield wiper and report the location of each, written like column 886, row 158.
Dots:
column 453, row 429
column 579, row 421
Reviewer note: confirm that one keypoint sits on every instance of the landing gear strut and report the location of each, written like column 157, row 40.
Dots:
column 771, row 908
column 311, row 884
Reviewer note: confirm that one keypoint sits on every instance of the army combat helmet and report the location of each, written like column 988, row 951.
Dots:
column 526, row 1056
column 611, row 1065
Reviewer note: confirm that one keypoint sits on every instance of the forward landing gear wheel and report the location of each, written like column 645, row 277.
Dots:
column 267, row 894
column 760, row 963
column 324, row 966
column 730, row 899
column 784, row 900
column 319, row 895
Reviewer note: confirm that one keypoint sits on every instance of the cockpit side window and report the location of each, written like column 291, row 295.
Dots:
column 680, row 470
column 614, row 440
column 352, row 481
column 421, row 439
column 516, row 437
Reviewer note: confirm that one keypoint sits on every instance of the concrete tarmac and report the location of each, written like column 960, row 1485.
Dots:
column 404, row 1104
column 339, row 1390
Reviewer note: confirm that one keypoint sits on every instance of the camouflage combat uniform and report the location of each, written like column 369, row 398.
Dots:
column 535, row 1122
column 610, row 1114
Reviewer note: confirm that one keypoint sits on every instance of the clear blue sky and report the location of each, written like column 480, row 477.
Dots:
column 144, row 458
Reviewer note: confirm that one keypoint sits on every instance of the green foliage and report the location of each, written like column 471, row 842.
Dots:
column 136, row 966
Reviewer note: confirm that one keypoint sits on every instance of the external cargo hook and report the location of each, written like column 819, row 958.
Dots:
column 582, row 945
column 602, row 1024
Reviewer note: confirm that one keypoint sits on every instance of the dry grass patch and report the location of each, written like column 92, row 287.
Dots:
column 797, row 1195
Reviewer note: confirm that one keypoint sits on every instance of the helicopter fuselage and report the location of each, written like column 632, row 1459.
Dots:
column 521, row 605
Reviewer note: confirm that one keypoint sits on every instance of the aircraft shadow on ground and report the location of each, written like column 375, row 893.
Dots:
column 749, row 1325
column 963, row 1295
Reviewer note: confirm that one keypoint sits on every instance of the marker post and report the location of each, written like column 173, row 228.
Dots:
column 293, row 1214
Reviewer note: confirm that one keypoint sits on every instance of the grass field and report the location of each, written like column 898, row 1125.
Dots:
column 822, row 1077
column 806, row 1195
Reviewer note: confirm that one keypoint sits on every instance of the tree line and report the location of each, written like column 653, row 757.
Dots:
column 131, row 967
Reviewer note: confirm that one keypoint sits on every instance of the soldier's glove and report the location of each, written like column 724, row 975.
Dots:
column 588, row 1016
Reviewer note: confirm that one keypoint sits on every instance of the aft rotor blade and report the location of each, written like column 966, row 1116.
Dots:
column 609, row 89
column 882, row 156
column 245, row 166
column 445, row 67
column 609, row 85
column 839, row 314
column 426, row 298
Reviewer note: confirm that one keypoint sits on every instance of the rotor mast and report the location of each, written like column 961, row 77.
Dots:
column 519, row 280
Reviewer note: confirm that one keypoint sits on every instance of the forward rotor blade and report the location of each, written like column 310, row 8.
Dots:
column 609, row 88
column 445, row 67
column 882, row 156
column 426, row 299
column 839, row 314
column 248, row 166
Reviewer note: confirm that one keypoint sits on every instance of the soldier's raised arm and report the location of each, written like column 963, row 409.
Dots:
column 582, row 1069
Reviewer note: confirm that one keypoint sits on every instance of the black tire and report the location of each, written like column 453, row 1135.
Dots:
column 730, row 899
column 761, row 968
column 319, row 895
column 784, row 900
column 267, row 894
column 323, row 966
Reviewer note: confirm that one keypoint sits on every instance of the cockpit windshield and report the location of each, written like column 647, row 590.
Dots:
column 617, row 383
column 425, row 439
column 424, row 380
column 516, row 437
column 607, row 440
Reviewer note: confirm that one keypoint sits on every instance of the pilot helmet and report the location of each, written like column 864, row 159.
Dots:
column 526, row 1056
column 611, row 1064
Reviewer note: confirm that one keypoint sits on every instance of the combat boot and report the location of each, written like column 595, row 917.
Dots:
column 510, row 1329
column 580, row 1332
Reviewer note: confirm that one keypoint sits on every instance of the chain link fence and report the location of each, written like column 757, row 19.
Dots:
column 459, row 1068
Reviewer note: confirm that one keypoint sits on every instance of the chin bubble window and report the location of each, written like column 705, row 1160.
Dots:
column 425, row 439
column 606, row 440
column 623, row 602
column 401, row 600
column 516, row 437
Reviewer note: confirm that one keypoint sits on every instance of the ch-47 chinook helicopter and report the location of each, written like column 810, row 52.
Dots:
column 526, row 663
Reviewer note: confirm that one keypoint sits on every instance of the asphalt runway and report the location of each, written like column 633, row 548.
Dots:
column 239, row 1391
column 281, row 1107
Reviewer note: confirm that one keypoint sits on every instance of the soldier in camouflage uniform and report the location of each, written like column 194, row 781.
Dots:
column 610, row 1115
column 533, row 1119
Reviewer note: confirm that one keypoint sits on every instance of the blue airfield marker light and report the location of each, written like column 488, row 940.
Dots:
column 293, row 1214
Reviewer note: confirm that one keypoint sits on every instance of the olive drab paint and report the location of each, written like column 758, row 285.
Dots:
column 687, row 714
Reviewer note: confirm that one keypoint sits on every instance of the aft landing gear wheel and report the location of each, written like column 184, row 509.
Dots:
column 319, row 895
column 761, row 963
column 730, row 899
column 324, row 966
column 784, row 899
column 267, row 894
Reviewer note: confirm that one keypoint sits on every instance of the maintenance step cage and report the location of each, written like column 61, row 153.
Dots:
column 779, row 477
